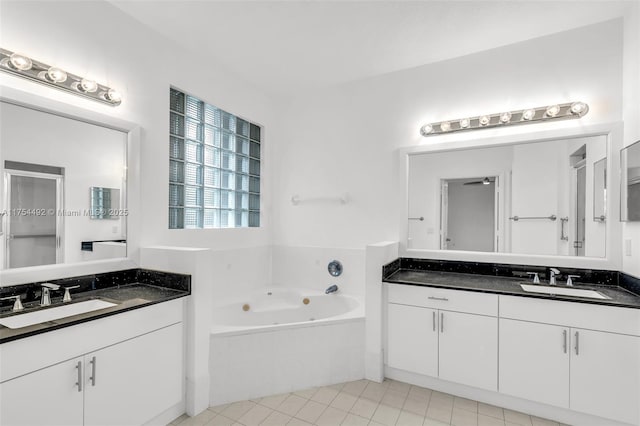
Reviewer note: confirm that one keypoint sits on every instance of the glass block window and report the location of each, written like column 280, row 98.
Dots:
column 214, row 166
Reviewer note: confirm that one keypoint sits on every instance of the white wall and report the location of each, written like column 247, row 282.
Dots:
column 344, row 139
column 118, row 51
column 306, row 267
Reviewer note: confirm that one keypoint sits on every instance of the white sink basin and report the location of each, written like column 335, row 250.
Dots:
column 44, row 315
column 563, row 291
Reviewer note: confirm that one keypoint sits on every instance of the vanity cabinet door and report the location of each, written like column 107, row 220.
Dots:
column 534, row 361
column 412, row 339
column 49, row 396
column 134, row 381
column 469, row 349
column 605, row 374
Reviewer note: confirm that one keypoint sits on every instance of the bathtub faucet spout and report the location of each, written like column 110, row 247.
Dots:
column 332, row 289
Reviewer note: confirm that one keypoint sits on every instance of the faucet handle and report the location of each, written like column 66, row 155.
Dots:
column 17, row 305
column 50, row 286
column 570, row 281
column 536, row 278
column 67, row 293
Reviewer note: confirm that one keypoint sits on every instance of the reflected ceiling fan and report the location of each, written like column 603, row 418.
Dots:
column 485, row 181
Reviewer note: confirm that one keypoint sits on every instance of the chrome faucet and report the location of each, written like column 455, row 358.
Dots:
column 570, row 281
column 552, row 275
column 17, row 304
column 332, row 289
column 45, row 299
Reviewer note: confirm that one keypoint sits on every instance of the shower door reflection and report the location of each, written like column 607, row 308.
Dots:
column 33, row 229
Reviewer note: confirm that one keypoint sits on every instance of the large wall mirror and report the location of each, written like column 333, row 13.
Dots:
column 537, row 198
column 50, row 164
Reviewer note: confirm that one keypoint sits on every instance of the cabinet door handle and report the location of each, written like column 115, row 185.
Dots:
column 564, row 336
column 577, row 343
column 434, row 320
column 444, row 299
column 441, row 322
column 93, row 371
column 79, row 382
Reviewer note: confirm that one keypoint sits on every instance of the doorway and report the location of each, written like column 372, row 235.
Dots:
column 578, row 162
column 33, row 225
column 468, row 214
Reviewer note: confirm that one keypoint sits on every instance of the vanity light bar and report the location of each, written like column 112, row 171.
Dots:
column 23, row 66
column 531, row 115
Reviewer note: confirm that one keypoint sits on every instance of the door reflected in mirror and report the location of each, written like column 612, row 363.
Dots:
column 529, row 198
column 469, row 214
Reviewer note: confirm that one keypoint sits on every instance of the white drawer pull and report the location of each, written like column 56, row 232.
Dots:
column 444, row 299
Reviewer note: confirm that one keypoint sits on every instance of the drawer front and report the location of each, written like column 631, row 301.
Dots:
column 571, row 314
column 446, row 299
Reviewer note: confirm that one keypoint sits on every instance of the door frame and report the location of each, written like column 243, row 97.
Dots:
column 498, row 213
column 59, row 220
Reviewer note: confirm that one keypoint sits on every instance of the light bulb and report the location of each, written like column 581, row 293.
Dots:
column 20, row 62
column 445, row 126
column 552, row 110
column 505, row 117
column 113, row 95
column 578, row 108
column 528, row 114
column 56, row 75
column 426, row 129
column 88, row 86
column 464, row 123
column 484, row 120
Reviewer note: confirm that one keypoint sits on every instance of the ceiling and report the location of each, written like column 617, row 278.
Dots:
column 289, row 47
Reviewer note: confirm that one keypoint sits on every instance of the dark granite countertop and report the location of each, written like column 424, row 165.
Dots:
column 129, row 296
column 509, row 285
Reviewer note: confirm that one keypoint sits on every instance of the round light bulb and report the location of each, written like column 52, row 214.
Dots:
column 20, row 62
column 505, row 117
column 464, row 123
column 426, row 129
column 528, row 114
column 578, row 108
column 552, row 110
column 113, row 95
column 88, row 86
column 56, row 75
column 445, row 126
column 484, row 120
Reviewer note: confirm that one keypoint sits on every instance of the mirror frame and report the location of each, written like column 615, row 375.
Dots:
column 603, row 216
column 613, row 133
column 72, row 111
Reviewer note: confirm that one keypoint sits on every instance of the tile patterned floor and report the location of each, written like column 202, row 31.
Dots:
column 361, row 403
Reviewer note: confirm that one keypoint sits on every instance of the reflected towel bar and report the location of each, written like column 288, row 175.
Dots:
column 343, row 199
column 417, row 218
column 517, row 218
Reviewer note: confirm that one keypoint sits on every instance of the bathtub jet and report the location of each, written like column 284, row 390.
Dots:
column 332, row 289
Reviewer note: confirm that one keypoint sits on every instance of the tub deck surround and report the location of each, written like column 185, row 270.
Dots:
column 129, row 289
column 623, row 289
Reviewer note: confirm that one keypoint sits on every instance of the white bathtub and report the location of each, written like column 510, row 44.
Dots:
column 280, row 344
column 285, row 307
